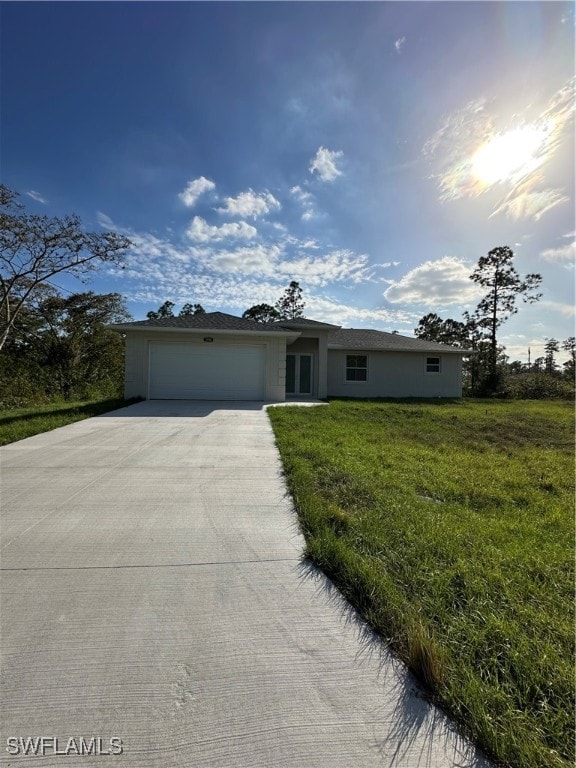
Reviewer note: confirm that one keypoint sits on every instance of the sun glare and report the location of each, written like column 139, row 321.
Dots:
column 512, row 155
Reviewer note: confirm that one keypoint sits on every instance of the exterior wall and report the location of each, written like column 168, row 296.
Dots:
column 137, row 358
column 396, row 374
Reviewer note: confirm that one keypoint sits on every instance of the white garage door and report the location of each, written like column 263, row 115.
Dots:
column 180, row 371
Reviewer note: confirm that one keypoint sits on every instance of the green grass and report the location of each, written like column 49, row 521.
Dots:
column 450, row 527
column 18, row 423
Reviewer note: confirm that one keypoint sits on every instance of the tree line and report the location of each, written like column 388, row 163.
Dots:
column 288, row 307
column 487, row 370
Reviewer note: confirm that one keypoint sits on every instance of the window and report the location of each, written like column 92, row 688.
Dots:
column 432, row 365
column 356, row 368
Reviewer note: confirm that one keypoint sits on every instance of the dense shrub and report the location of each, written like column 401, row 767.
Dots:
column 21, row 384
column 537, row 386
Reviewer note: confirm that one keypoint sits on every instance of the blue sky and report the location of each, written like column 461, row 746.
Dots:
column 371, row 151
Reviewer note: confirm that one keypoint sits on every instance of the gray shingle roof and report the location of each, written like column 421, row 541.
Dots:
column 344, row 338
column 303, row 322
column 352, row 338
column 208, row 320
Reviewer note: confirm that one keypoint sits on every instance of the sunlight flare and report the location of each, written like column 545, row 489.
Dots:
column 511, row 156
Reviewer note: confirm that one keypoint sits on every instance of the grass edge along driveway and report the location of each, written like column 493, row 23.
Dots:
column 449, row 526
column 19, row 423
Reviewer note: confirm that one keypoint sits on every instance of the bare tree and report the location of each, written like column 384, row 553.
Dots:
column 35, row 248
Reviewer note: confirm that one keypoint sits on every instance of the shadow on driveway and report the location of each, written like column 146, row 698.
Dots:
column 415, row 722
column 197, row 408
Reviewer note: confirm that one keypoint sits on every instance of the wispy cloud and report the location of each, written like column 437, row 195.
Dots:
column 475, row 153
column 324, row 164
column 194, row 189
column 435, row 283
column 306, row 199
column 399, row 44
column 566, row 310
column 157, row 268
column 216, row 292
column 200, row 231
column 525, row 203
column 332, row 311
column 274, row 261
column 565, row 254
column 105, row 221
column 279, row 261
column 37, row 196
column 250, row 203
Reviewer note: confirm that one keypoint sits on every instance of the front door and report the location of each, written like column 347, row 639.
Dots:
column 299, row 374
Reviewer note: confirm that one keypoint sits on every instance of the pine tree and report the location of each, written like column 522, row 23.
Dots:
column 291, row 304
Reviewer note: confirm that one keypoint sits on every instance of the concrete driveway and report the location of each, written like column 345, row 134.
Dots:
column 153, row 594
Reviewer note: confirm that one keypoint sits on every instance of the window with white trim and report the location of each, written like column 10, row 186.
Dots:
column 433, row 365
column 356, row 367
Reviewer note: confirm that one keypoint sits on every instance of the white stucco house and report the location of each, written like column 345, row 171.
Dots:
column 216, row 356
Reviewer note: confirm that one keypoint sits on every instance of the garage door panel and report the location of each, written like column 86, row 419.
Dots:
column 194, row 371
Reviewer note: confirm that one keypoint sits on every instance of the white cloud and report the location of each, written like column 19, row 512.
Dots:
column 221, row 291
column 247, row 261
column 435, row 283
column 148, row 249
column 566, row 310
column 194, row 189
column 153, row 258
column 530, row 205
column 566, row 254
column 324, row 164
column 37, row 196
column 331, row 311
column 399, row 44
column 218, row 292
column 306, row 199
column 519, row 350
column 274, row 262
column 203, row 232
column 300, row 194
column 250, row 203
column 105, row 221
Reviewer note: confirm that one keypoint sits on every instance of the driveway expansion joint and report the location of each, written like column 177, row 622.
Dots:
column 156, row 565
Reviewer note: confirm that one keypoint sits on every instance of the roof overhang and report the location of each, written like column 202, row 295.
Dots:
column 302, row 325
column 445, row 351
column 154, row 329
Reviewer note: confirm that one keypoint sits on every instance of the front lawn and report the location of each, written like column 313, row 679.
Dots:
column 450, row 527
column 18, row 423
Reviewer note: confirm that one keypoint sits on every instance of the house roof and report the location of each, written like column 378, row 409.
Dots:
column 338, row 338
column 209, row 321
column 302, row 323
column 361, row 338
